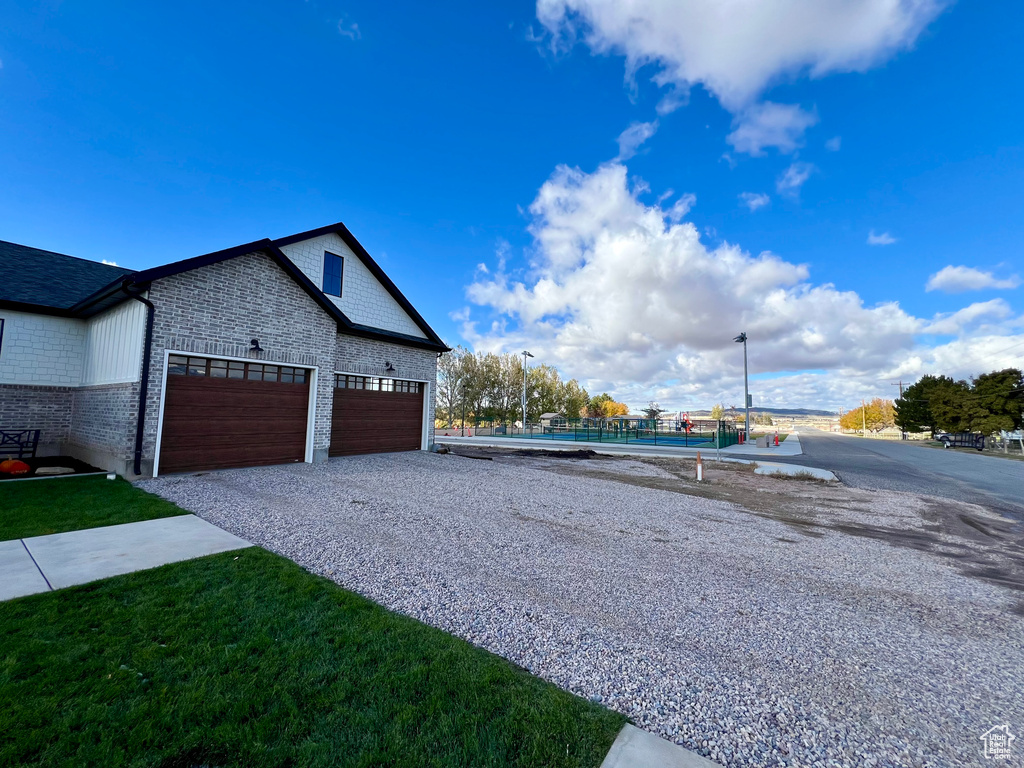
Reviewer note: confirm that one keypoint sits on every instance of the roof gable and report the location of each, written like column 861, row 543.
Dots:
column 356, row 247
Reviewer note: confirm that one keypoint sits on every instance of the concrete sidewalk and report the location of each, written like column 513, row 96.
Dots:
column 44, row 563
column 635, row 748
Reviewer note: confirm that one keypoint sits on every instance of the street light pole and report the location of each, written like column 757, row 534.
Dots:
column 525, row 355
column 746, row 392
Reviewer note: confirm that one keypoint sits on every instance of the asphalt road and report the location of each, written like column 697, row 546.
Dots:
column 959, row 473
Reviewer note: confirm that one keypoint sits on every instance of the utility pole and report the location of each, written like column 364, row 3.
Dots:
column 746, row 391
column 864, row 418
column 525, row 355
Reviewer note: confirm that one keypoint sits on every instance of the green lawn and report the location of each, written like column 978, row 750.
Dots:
column 245, row 659
column 39, row 507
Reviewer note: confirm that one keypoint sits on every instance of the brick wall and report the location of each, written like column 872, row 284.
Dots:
column 103, row 419
column 47, row 409
column 215, row 311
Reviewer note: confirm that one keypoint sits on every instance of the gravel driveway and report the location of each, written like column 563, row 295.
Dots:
column 736, row 636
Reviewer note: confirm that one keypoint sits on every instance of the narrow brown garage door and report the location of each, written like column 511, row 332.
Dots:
column 221, row 413
column 376, row 415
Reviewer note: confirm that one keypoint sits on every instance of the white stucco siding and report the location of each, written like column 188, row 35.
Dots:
column 41, row 349
column 113, row 344
column 363, row 299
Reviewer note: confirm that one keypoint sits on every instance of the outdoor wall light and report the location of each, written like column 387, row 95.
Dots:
column 388, row 367
column 254, row 346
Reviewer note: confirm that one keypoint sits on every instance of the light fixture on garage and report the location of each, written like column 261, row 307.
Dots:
column 388, row 367
column 254, row 346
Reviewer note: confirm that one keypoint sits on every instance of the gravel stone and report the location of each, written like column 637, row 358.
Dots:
column 697, row 620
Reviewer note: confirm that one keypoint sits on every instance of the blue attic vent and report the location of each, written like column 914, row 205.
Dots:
column 333, row 266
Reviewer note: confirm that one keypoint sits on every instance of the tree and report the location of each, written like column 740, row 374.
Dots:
column 913, row 410
column 994, row 407
column 544, row 391
column 764, row 419
column 653, row 411
column 451, row 377
column 574, row 399
column 951, row 405
column 604, row 406
column 717, row 411
column 875, row 415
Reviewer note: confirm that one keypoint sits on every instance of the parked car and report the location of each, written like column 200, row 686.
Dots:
column 962, row 440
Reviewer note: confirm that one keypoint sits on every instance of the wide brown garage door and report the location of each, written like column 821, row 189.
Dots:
column 376, row 415
column 221, row 413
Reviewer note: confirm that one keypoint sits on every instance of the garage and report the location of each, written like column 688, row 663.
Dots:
column 230, row 413
column 376, row 415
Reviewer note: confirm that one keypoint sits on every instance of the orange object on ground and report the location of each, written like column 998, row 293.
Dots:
column 14, row 467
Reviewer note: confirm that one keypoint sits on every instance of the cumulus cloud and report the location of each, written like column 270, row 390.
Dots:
column 793, row 178
column 631, row 138
column 883, row 238
column 620, row 295
column 770, row 125
column 956, row 322
column 959, row 279
column 739, row 49
column 109, row 263
column 754, row 200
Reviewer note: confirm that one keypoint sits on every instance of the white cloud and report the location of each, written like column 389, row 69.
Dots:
column 883, row 238
column 770, row 125
column 349, row 29
column 834, row 144
column 631, row 138
column 955, row 322
column 959, row 279
column 617, row 294
column 109, row 263
column 754, row 200
column 793, row 178
column 738, row 49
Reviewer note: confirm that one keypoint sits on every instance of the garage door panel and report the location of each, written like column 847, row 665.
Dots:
column 213, row 422
column 378, row 420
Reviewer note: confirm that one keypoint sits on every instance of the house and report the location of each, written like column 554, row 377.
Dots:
column 270, row 352
column 552, row 420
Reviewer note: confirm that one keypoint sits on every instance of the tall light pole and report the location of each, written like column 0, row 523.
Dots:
column 525, row 355
column 746, row 394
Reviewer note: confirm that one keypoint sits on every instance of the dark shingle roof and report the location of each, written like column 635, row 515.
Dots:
column 47, row 279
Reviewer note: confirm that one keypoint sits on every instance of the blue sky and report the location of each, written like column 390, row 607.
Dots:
column 449, row 137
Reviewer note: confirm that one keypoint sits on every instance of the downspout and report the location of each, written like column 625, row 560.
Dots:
column 140, row 422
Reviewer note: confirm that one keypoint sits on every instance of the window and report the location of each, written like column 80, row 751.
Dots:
column 180, row 365
column 373, row 383
column 333, row 265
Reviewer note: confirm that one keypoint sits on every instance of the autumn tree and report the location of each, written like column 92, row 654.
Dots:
column 717, row 411
column 875, row 415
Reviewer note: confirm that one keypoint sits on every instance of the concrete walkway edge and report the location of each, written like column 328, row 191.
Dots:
column 634, row 748
column 44, row 563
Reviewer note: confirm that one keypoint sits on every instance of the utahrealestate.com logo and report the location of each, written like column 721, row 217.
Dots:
column 997, row 742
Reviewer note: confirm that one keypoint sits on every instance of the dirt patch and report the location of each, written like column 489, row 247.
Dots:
column 981, row 542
